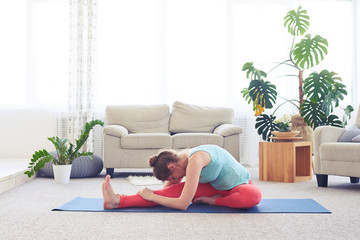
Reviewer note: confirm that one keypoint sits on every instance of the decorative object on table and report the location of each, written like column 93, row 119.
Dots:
column 289, row 134
column 284, row 123
column 284, row 132
column 66, row 153
column 319, row 93
column 298, row 124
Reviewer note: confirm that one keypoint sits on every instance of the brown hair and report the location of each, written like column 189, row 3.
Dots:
column 160, row 163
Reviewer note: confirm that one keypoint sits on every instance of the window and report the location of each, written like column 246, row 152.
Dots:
column 13, row 57
column 128, row 52
column 34, row 52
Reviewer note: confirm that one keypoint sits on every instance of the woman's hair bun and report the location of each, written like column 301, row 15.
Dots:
column 153, row 160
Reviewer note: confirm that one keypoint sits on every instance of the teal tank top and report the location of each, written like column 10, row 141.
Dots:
column 223, row 172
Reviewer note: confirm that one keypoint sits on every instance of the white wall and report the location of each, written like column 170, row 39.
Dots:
column 24, row 131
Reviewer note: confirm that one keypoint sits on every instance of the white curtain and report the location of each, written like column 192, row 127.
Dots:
column 83, row 16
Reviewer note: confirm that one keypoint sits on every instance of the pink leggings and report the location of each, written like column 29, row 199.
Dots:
column 241, row 196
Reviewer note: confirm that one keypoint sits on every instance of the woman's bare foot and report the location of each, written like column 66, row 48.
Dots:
column 207, row 200
column 111, row 199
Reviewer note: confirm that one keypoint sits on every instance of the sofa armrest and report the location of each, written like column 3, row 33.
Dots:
column 324, row 134
column 115, row 130
column 227, row 129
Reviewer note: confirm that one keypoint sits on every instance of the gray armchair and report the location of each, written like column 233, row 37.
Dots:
column 337, row 152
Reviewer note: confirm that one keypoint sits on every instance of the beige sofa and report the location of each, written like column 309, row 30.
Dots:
column 134, row 133
column 337, row 152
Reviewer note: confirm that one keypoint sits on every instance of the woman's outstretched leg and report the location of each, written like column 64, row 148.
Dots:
column 173, row 191
column 111, row 199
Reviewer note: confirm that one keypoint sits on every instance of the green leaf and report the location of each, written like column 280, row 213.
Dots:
column 245, row 93
column 297, row 22
column 38, row 161
column 253, row 73
column 317, row 85
column 332, row 99
column 312, row 113
column 263, row 93
column 347, row 114
column 310, row 51
column 324, row 87
column 333, row 120
column 348, row 111
column 84, row 136
column 265, row 125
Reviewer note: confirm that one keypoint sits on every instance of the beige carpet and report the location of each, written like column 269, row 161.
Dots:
column 25, row 213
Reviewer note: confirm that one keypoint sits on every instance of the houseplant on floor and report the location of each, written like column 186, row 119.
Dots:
column 65, row 154
column 319, row 93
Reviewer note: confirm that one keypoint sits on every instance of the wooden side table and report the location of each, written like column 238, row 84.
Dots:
column 285, row 161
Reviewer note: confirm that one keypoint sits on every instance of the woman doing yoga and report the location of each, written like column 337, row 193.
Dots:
column 213, row 176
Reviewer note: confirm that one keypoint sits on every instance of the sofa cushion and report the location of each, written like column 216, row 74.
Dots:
column 227, row 130
column 356, row 139
column 146, row 140
column 335, row 151
column 192, row 118
column 189, row 140
column 139, row 118
column 349, row 134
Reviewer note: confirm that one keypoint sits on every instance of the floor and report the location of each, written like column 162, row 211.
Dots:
column 12, row 173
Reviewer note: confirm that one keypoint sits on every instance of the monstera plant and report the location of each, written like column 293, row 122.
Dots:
column 319, row 93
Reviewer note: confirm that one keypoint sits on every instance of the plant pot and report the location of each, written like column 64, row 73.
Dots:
column 62, row 173
column 289, row 134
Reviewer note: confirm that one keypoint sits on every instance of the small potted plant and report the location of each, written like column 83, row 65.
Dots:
column 283, row 126
column 284, row 123
column 66, row 152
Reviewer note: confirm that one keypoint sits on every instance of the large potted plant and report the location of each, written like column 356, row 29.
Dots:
column 319, row 93
column 65, row 154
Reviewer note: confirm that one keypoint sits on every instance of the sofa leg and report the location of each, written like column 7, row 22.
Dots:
column 110, row 171
column 354, row 179
column 322, row 180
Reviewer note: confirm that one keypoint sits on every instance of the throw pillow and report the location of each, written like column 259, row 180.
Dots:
column 349, row 134
column 356, row 139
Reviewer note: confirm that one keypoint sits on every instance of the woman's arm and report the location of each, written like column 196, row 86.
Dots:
column 195, row 164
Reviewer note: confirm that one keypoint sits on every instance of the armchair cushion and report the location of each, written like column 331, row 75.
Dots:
column 349, row 134
column 347, row 152
column 191, row 118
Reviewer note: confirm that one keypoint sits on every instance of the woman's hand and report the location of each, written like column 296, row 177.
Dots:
column 146, row 194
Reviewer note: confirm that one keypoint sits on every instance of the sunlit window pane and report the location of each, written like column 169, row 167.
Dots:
column 197, row 57
column 127, row 52
column 13, row 55
column 51, row 52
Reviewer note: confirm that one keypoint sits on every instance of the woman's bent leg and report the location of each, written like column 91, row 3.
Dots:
column 241, row 196
column 173, row 191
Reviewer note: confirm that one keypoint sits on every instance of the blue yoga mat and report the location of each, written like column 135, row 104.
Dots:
column 265, row 206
